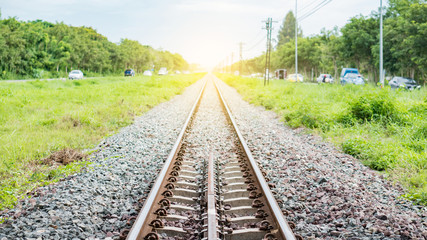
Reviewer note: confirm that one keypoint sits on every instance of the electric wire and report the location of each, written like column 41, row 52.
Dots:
column 308, row 5
column 256, row 44
column 315, row 9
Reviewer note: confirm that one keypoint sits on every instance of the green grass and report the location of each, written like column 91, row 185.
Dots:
column 385, row 129
column 41, row 117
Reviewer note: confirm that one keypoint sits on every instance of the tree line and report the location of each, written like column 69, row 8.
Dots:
column 29, row 49
column 357, row 45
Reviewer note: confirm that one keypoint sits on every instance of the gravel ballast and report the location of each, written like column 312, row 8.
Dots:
column 327, row 194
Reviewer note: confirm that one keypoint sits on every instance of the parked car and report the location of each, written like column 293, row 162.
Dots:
column 129, row 72
column 163, row 71
column 402, row 82
column 294, row 78
column 346, row 71
column 75, row 74
column 148, row 73
column 326, row 78
column 352, row 78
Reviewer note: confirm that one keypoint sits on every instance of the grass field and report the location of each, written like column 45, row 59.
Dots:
column 385, row 129
column 41, row 117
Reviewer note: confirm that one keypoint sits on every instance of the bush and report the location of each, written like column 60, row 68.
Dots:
column 377, row 106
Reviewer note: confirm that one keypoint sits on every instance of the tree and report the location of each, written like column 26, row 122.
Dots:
column 287, row 30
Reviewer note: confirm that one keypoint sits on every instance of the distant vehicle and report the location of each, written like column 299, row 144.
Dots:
column 75, row 74
column 177, row 72
column 280, row 73
column 402, row 82
column 294, row 78
column 129, row 72
column 325, row 78
column 186, row 72
column 162, row 71
column 148, row 73
column 352, row 78
column 344, row 71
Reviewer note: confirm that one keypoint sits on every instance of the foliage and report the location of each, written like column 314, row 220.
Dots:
column 287, row 30
column 28, row 49
column 41, row 117
column 386, row 129
column 356, row 44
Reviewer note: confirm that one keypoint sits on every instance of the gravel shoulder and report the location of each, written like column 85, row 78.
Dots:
column 327, row 193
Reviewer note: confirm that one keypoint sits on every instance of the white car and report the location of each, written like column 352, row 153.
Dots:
column 163, row 71
column 148, row 73
column 325, row 78
column 75, row 74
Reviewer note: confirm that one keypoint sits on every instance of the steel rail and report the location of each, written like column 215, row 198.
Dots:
column 212, row 221
column 135, row 232
column 285, row 230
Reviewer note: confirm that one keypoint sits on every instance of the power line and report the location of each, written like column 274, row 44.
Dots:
column 256, row 37
column 256, row 44
column 308, row 5
column 315, row 9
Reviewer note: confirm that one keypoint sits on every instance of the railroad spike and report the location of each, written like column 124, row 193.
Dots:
column 152, row 236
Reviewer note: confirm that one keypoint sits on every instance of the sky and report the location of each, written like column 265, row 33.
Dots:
column 206, row 32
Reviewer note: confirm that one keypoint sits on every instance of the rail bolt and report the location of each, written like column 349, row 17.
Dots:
column 178, row 163
column 167, row 193
column 174, row 173
column 257, row 203
column 156, row 224
column 176, row 168
column 124, row 233
column 161, row 212
column 246, row 174
column 267, row 179
column 170, row 186
column 172, row 179
column 165, row 202
column 152, row 236
column 249, row 180
column 291, row 225
column 251, row 187
column 265, row 226
column 261, row 214
column 269, row 236
column 254, row 194
column 131, row 220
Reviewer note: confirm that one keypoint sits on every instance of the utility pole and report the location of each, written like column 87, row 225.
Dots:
column 241, row 57
column 296, row 40
column 231, row 64
column 269, row 27
column 381, row 45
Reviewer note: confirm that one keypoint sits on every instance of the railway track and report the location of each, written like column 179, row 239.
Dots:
column 213, row 193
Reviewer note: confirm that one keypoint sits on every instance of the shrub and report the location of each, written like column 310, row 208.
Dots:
column 378, row 106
